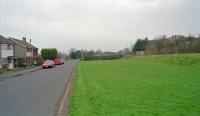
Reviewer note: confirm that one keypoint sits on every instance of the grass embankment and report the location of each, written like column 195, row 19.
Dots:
column 138, row 86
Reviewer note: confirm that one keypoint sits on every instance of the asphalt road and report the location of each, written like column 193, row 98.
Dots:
column 36, row 93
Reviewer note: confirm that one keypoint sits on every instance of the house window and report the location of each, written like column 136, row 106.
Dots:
column 3, row 61
column 29, row 50
column 9, row 47
column 9, row 60
column 4, row 46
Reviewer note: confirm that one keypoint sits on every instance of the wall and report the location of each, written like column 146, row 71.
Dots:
column 6, row 53
column 0, row 50
column 29, row 54
column 139, row 53
column 20, row 51
column 35, row 52
column 151, row 52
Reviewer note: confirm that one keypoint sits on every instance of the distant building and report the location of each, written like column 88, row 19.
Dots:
column 172, row 45
column 125, row 52
column 139, row 53
column 151, row 47
column 6, row 53
column 108, row 53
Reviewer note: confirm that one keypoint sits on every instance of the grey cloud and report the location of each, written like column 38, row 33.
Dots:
column 106, row 24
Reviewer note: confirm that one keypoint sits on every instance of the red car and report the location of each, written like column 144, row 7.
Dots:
column 58, row 61
column 48, row 64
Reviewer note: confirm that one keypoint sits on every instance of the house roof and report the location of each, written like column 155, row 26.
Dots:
column 5, row 40
column 23, row 43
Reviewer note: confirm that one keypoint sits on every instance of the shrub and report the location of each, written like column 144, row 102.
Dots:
column 20, row 62
column 113, row 57
column 39, row 60
column 49, row 53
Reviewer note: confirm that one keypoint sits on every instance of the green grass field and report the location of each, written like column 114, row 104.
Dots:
column 138, row 86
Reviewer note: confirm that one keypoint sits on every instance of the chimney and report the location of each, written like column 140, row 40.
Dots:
column 24, row 39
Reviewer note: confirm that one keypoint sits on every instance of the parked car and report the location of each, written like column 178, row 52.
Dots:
column 48, row 64
column 62, row 61
column 58, row 61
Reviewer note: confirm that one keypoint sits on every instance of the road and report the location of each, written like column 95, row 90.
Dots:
column 36, row 93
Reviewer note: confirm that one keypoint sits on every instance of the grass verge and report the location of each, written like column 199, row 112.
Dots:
column 138, row 86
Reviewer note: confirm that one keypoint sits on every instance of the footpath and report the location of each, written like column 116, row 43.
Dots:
column 9, row 75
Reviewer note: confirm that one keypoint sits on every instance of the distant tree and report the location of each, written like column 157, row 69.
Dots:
column 161, row 42
column 73, row 55
column 77, row 54
column 49, row 53
column 44, row 53
column 140, row 45
column 53, row 53
column 90, row 53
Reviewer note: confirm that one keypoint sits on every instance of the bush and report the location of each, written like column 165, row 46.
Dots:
column 39, row 60
column 75, row 54
column 140, row 45
column 49, row 53
column 87, row 58
column 20, row 62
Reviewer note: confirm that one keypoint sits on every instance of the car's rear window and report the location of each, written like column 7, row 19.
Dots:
column 48, row 61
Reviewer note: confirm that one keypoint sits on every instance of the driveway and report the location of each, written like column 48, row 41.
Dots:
column 36, row 93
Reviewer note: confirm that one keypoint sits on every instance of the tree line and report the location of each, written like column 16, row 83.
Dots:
column 93, row 55
column 159, row 45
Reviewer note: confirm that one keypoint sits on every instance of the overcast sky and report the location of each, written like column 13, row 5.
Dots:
column 96, row 24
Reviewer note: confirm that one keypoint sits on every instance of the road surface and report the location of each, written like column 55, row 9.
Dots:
column 36, row 93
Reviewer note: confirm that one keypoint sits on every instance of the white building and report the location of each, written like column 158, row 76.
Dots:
column 6, row 53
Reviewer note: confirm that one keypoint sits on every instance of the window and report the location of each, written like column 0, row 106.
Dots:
column 11, row 47
column 4, row 46
column 3, row 61
column 8, row 47
column 9, row 60
column 29, row 50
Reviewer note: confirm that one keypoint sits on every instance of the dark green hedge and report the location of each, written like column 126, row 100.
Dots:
column 87, row 58
column 49, row 53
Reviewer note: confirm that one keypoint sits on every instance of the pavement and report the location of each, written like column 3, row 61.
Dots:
column 18, row 73
column 36, row 93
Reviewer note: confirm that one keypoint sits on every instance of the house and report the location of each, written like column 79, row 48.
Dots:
column 25, row 50
column 110, row 54
column 139, row 53
column 125, row 52
column 6, row 53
